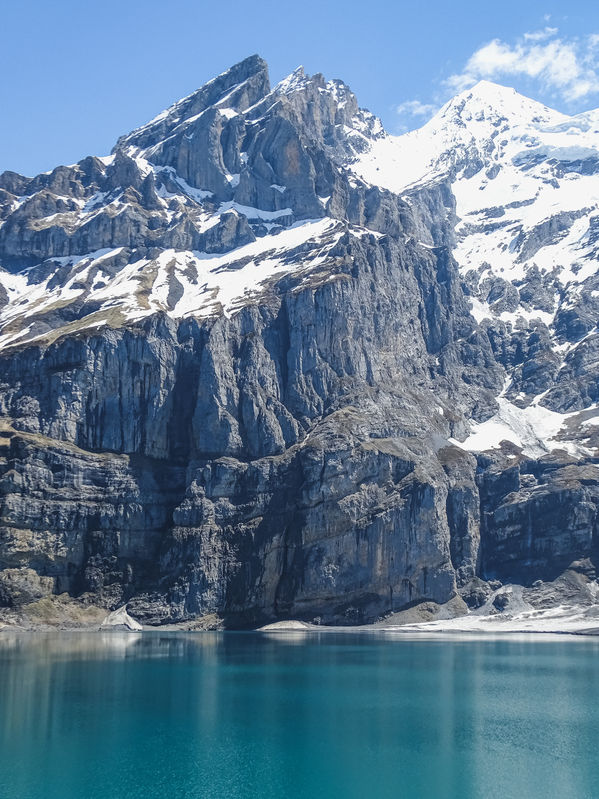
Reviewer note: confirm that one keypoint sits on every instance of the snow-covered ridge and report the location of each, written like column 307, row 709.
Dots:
column 467, row 125
column 178, row 283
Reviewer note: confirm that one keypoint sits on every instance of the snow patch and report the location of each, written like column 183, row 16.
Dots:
column 535, row 429
column 120, row 618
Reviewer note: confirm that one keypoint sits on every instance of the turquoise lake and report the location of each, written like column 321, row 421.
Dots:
column 212, row 715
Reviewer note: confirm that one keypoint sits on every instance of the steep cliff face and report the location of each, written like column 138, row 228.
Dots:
column 239, row 380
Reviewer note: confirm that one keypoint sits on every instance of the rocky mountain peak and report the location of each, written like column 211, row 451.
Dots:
column 295, row 81
column 234, row 91
column 234, row 164
column 328, row 112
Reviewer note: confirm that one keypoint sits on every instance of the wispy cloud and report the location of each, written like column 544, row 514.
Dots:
column 568, row 68
column 411, row 112
column 415, row 108
column 540, row 36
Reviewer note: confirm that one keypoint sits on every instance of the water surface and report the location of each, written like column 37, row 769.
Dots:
column 214, row 715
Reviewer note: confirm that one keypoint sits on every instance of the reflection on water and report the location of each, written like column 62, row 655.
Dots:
column 248, row 715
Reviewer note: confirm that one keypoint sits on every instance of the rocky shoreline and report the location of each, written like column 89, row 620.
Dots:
column 568, row 605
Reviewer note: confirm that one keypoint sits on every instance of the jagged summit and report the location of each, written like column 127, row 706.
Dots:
column 235, row 90
column 320, row 110
column 295, row 80
column 298, row 81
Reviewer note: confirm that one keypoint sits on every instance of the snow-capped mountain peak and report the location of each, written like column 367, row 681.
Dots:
column 478, row 128
column 526, row 183
column 492, row 101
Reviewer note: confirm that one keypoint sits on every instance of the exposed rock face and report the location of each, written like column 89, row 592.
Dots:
column 539, row 516
column 234, row 377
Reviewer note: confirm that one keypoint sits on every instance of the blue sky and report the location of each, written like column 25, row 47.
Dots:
column 76, row 75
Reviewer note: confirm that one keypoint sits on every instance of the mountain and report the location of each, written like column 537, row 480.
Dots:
column 526, row 183
column 266, row 361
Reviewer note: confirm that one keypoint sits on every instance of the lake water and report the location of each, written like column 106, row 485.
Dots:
column 213, row 715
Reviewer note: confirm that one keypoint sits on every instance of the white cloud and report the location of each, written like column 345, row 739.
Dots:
column 539, row 36
column 569, row 68
column 413, row 113
column 415, row 108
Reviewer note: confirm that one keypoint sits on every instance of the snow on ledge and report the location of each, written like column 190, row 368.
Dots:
column 534, row 429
